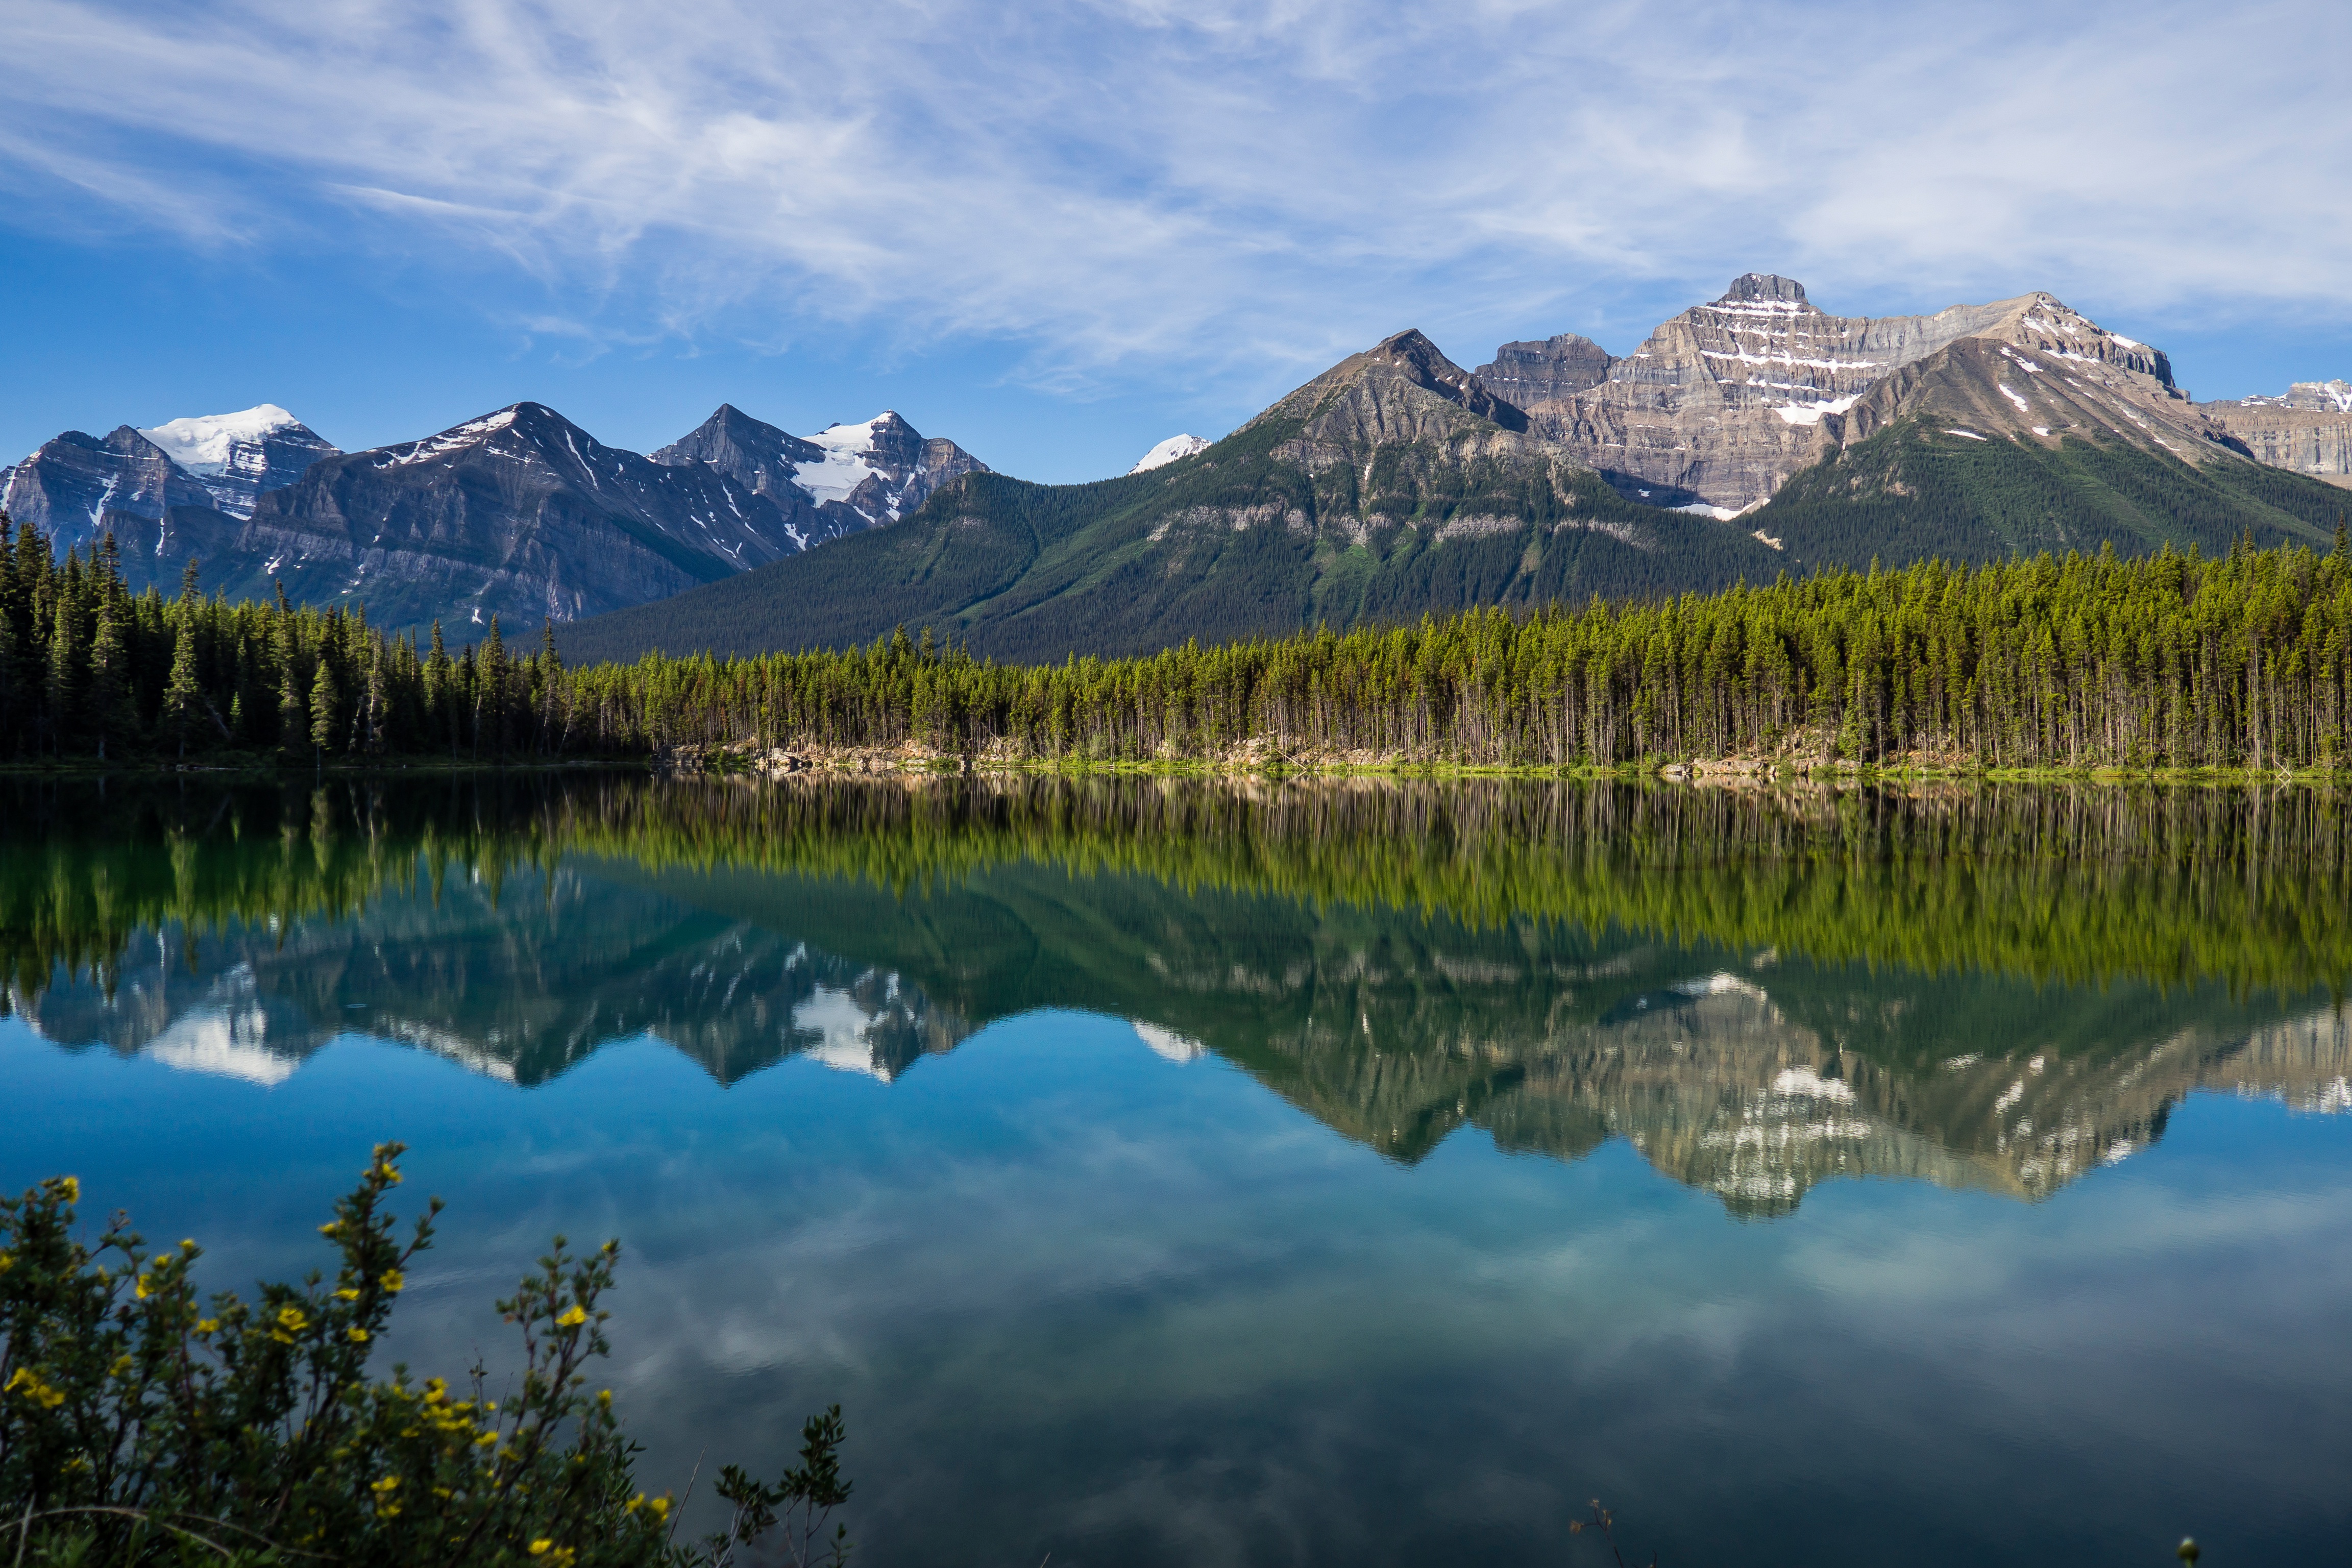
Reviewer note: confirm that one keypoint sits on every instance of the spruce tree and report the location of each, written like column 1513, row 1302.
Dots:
column 182, row 694
column 64, row 676
column 323, row 711
column 107, row 698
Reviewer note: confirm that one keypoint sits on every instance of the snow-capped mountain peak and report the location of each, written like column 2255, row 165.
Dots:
column 239, row 457
column 1169, row 451
column 215, row 442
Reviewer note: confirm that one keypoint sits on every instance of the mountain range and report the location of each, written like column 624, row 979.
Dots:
column 1748, row 437
column 519, row 513
column 1743, row 438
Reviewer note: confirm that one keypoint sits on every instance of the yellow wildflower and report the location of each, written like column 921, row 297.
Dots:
column 347, row 1294
column 207, row 1325
column 292, row 1320
column 71, row 1187
column 389, row 1484
column 573, row 1319
column 34, row 1389
column 539, row 1548
column 359, row 1336
column 392, row 1281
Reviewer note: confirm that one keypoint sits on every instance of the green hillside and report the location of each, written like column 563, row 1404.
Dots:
column 1916, row 490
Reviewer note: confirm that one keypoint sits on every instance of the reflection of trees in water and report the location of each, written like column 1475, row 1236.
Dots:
column 1758, row 991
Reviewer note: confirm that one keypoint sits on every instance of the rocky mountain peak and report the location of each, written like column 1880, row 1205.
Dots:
column 1720, row 404
column 2308, row 429
column 78, row 487
column 1766, row 288
column 1402, row 388
column 1527, row 374
column 753, row 452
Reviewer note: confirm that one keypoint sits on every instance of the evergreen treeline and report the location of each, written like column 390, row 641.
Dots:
column 88, row 669
column 2165, row 660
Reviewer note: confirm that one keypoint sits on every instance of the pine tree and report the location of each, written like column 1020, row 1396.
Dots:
column 108, row 696
column 64, row 676
column 182, row 694
column 323, row 711
column 293, row 710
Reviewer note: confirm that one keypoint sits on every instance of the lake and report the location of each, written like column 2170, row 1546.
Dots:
column 1348, row 1172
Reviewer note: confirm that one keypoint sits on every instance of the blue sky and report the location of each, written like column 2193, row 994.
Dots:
column 1061, row 231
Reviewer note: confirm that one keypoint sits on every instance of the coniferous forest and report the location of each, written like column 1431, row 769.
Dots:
column 2168, row 660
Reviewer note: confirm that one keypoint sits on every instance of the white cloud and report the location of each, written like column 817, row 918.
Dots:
column 1131, row 187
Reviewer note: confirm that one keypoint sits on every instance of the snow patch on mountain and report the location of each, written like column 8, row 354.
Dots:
column 449, row 440
column 843, row 467
column 218, row 443
column 1169, row 451
column 1811, row 413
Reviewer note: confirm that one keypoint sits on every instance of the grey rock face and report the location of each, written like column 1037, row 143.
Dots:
column 519, row 513
column 78, row 487
column 1720, row 404
column 1400, row 391
column 2309, row 429
column 1533, row 374
column 845, row 478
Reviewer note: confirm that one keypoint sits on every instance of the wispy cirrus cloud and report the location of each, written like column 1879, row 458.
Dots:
column 1128, row 187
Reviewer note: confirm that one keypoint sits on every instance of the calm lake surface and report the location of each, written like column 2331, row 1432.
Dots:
column 1174, row 1172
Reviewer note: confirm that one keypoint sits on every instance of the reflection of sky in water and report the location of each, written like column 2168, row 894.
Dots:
column 1079, row 1298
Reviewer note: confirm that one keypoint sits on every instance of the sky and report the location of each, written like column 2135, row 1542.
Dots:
column 1060, row 231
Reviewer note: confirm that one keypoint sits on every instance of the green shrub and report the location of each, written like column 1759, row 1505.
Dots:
column 138, row 1426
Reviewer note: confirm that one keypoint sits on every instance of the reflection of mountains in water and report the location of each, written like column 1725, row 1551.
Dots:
column 1745, row 1075
column 865, row 926
column 519, row 988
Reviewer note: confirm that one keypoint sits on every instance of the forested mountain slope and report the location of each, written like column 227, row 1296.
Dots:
column 1984, row 449
column 1394, row 484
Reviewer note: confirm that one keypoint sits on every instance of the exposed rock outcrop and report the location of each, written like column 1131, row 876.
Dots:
column 2309, row 429
column 1722, row 403
column 78, row 488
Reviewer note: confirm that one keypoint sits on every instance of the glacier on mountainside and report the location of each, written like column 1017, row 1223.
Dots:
column 212, row 443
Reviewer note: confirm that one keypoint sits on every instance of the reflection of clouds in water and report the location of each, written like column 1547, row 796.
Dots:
column 224, row 1042
column 1181, row 1365
column 1167, row 1043
column 1184, row 1322
column 225, row 1034
column 844, row 1031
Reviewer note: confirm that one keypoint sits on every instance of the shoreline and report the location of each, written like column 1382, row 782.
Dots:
column 734, row 763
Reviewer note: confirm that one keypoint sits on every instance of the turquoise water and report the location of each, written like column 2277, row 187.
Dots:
column 1140, row 1217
